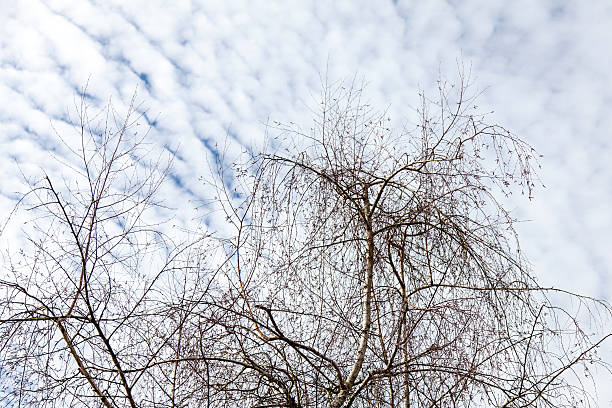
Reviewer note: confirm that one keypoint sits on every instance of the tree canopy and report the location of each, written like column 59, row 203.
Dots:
column 361, row 266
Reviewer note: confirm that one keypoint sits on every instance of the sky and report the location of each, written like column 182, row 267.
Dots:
column 213, row 73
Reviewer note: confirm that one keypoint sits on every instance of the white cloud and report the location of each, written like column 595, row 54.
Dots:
column 206, row 68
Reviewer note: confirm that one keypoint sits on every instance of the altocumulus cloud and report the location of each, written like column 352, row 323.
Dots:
column 213, row 73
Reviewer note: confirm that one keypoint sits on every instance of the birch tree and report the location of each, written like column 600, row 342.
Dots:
column 375, row 268
column 356, row 266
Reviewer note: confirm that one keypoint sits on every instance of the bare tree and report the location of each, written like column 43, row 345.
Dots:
column 363, row 268
column 373, row 268
column 94, row 310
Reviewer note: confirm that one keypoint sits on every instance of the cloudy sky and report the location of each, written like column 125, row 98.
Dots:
column 212, row 72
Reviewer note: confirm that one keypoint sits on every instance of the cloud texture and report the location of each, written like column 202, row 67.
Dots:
column 212, row 73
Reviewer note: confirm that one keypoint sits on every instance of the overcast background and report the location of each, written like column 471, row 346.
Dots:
column 211, row 71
